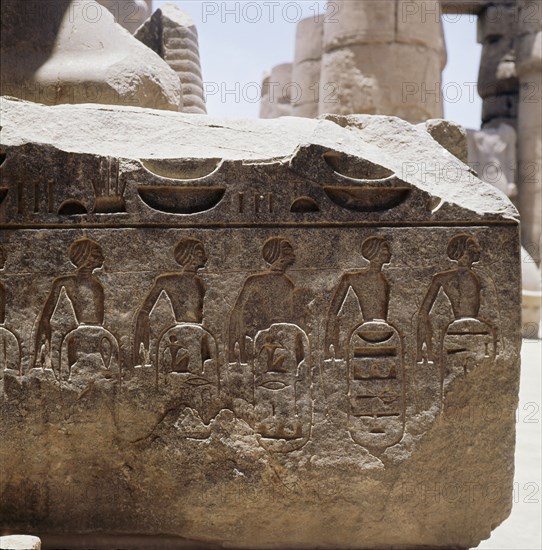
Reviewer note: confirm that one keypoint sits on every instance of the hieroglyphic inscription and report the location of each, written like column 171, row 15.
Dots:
column 109, row 189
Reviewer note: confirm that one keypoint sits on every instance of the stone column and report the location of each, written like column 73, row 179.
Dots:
column 529, row 69
column 277, row 92
column 172, row 34
column 307, row 64
column 131, row 14
column 383, row 58
column 492, row 155
column 497, row 79
column 265, row 106
column 68, row 51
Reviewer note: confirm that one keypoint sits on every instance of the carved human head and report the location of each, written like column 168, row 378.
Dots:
column 278, row 253
column 464, row 248
column 86, row 253
column 190, row 253
column 376, row 249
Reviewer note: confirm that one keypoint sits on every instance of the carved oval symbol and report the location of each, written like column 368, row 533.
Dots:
column 274, row 385
column 367, row 199
column 303, row 205
column 181, row 200
column 72, row 207
column 375, row 332
column 187, row 169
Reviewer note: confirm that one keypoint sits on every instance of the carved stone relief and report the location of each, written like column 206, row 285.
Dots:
column 467, row 341
column 287, row 337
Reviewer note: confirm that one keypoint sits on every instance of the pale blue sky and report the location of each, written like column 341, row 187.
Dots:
column 239, row 40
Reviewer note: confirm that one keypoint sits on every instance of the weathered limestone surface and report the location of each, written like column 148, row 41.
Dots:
column 450, row 135
column 172, row 34
column 68, row 51
column 287, row 333
column 129, row 13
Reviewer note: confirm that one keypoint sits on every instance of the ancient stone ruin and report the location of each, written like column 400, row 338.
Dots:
column 253, row 344
column 357, row 58
column 289, row 333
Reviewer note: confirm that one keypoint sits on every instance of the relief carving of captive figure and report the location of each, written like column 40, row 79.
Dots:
column 84, row 290
column 372, row 349
column 370, row 286
column 266, row 298
column 185, row 291
column 460, row 284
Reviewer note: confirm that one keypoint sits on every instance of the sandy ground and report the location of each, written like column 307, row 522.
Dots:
column 523, row 529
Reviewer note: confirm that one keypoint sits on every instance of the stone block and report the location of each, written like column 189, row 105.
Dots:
column 286, row 333
column 419, row 22
column 308, row 39
column 371, row 21
column 503, row 106
column 497, row 21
